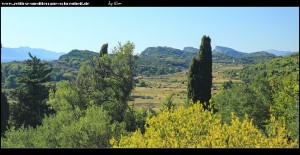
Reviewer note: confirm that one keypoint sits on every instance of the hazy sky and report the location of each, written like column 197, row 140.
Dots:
column 61, row 29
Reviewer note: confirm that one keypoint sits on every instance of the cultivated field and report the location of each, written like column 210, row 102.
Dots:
column 159, row 87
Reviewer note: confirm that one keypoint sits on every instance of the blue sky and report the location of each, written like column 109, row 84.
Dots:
column 61, row 29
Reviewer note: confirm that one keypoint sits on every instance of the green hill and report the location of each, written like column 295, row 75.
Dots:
column 67, row 66
column 161, row 60
column 276, row 68
column 79, row 54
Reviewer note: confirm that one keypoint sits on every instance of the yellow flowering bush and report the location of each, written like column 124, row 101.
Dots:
column 195, row 127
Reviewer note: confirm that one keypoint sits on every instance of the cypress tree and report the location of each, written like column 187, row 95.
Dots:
column 200, row 74
column 103, row 50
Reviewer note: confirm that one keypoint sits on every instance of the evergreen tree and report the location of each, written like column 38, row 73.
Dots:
column 103, row 50
column 4, row 110
column 31, row 105
column 200, row 74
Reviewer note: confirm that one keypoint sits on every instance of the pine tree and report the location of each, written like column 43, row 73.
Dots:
column 31, row 95
column 200, row 74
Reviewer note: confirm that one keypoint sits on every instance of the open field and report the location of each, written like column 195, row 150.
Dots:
column 160, row 86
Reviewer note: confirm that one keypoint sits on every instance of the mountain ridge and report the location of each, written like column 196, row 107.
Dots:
column 231, row 52
column 21, row 53
column 162, row 52
column 278, row 53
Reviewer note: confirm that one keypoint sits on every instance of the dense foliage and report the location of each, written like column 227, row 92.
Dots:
column 254, row 100
column 105, row 80
column 272, row 88
column 31, row 96
column 10, row 72
column 103, row 50
column 273, row 69
column 195, row 127
column 67, row 66
column 4, row 108
column 4, row 113
column 67, row 129
column 256, row 57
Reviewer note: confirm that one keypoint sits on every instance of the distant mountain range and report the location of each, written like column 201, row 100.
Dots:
column 278, row 53
column 21, row 53
column 233, row 53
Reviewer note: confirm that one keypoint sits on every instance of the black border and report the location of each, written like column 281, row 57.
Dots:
column 152, row 151
column 158, row 3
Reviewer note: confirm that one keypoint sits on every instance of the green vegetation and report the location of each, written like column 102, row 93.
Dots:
column 162, row 60
column 4, row 113
column 256, row 57
column 196, row 127
column 68, row 65
column 30, row 105
column 152, row 61
column 168, row 103
column 200, row 74
column 273, row 69
column 100, row 100
column 4, row 109
column 227, row 85
column 67, row 129
column 253, row 100
column 108, row 82
column 10, row 72
column 272, row 88
column 103, row 50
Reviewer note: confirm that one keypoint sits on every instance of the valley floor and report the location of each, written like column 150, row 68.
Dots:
column 158, row 87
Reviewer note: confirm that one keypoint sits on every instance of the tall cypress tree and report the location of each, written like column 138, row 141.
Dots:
column 103, row 50
column 32, row 94
column 200, row 74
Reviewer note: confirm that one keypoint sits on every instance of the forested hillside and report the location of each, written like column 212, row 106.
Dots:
column 162, row 60
column 152, row 61
column 276, row 68
column 271, row 89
